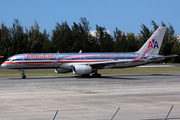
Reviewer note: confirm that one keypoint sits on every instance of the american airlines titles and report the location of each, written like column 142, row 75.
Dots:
column 40, row 56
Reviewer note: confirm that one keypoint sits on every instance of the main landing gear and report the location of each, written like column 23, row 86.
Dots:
column 23, row 74
column 96, row 75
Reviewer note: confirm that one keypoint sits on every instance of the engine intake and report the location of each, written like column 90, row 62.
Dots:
column 81, row 69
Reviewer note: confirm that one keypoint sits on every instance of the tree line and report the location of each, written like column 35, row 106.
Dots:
column 18, row 39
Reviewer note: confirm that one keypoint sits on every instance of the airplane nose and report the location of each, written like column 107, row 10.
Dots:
column 3, row 65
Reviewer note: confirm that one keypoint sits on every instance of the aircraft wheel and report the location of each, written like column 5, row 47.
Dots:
column 99, row 75
column 87, row 75
column 96, row 75
column 23, row 77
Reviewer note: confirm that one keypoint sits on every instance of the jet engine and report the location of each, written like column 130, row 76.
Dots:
column 60, row 70
column 81, row 69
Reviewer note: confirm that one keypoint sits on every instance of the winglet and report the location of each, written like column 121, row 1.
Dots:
column 144, row 54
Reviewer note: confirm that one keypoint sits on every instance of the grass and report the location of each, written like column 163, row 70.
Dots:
column 16, row 73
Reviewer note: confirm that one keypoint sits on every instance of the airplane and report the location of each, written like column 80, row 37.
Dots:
column 86, row 63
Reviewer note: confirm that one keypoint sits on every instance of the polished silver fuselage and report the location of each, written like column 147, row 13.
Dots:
column 66, row 60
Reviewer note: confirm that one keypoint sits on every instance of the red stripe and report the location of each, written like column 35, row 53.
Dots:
column 138, row 61
column 11, row 62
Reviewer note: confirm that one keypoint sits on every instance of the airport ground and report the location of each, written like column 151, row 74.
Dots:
column 139, row 96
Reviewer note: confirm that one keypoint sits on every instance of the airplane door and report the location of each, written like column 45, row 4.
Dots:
column 22, row 62
column 57, row 65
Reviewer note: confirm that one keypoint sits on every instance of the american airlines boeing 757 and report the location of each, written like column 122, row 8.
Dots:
column 86, row 63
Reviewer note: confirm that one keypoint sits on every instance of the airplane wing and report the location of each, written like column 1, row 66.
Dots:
column 113, row 62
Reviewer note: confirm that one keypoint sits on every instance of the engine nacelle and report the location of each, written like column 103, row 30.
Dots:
column 60, row 70
column 81, row 69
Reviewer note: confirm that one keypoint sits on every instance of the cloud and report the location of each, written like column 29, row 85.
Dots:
column 94, row 32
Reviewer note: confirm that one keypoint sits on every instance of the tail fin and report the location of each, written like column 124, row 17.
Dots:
column 153, row 44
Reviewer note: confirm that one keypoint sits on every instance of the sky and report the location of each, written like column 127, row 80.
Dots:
column 126, row 15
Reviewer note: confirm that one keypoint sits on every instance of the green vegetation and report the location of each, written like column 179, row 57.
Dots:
column 65, row 38
column 16, row 73
column 28, row 73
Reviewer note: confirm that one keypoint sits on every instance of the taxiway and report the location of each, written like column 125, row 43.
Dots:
column 140, row 97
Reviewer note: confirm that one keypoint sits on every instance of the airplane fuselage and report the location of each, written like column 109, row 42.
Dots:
column 66, row 60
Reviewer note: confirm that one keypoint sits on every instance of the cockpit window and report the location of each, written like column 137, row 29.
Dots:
column 10, row 60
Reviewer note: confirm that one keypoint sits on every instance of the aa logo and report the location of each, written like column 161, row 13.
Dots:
column 153, row 43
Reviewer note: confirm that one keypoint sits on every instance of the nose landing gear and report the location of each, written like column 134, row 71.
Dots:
column 23, row 73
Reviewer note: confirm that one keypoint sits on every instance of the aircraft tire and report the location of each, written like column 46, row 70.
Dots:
column 99, row 75
column 23, row 77
column 96, row 75
column 87, row 75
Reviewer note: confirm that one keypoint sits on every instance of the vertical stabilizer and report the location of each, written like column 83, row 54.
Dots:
column 153, row 44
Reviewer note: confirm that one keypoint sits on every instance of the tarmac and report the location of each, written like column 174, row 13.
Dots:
column 140, row 97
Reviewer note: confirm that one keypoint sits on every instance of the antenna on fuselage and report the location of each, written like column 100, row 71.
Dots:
column 80, row 51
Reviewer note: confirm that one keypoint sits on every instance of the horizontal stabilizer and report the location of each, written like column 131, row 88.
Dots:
column 162, row 57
